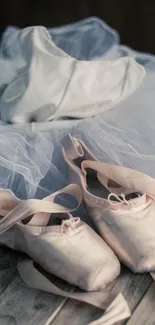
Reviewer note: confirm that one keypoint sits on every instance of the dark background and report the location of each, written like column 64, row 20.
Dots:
column 133, row 19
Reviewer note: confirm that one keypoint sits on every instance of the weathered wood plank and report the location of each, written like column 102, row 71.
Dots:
column 7, row 267
column 133, row 287
column 25, row 306
column 20, row 305
column 145, row 312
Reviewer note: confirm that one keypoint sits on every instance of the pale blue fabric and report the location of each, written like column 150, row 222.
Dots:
column 25, row 154
column 145, row 59
column 87, row 39
column 125, row 135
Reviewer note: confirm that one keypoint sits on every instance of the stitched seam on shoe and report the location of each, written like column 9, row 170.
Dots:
column 67, row 86
column 93, row 278
column 54, row 234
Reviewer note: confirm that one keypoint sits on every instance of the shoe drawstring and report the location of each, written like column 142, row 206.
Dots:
column 69, row 224
column 120, row 199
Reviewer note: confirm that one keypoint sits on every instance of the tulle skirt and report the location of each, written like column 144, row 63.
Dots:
column 31, row 162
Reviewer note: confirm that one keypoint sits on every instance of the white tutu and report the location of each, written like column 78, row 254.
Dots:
column 22, row 161
column 31, row 162
column 52, row 85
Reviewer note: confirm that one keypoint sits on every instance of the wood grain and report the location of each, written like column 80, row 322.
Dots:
column 20, row 305
column 145, row 312
column 26, row 306
column 133, row 287
column 7, row 267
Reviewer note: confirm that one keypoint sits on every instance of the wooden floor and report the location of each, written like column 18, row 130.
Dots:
column 20, row 305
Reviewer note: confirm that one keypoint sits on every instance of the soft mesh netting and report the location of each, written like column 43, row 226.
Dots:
column 123, row 135
column 24, row 161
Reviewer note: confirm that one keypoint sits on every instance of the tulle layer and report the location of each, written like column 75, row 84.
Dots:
column 31, row 162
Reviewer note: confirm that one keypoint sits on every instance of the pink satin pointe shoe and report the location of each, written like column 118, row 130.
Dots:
column 64, row 246
column 121, row 203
